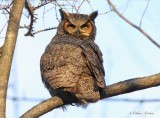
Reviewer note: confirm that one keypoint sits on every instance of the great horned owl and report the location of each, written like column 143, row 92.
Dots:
column 72, row 64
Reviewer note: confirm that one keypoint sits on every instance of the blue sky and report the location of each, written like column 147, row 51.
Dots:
column 126, row 52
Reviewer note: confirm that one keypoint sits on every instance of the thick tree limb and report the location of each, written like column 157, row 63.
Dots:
column 131, row 85
column 43, row 108
column 119, row 88
column 132, row 24
column 8, row 50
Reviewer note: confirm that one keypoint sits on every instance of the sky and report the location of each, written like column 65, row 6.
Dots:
column 126, row 52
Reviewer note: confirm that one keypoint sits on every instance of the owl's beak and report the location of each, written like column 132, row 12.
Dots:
column 78, row 33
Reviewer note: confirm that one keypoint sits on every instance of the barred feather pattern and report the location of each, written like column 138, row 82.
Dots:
column 73, row 69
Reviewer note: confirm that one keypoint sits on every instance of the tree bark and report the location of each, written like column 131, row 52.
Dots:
column 119, row 88
column 8, row 50
column 43, row 107
column 131, row 85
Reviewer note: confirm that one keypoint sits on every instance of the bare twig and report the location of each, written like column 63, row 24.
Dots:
column 47, row 29
column 105, row 12
column 89, row 4
column 5, row 15
column 36, row 32
column 55, row 8
column 144, row 13
column 126, row 7
column 25, row 26
column 33, row 18
column 72, row 5
column 59, row 5
column 133, row 25
column 3, row 27
column 4, row 6
column 80, row 6
column 41, row 5
column 48, row 10
column 119, row 88
column 6, row 9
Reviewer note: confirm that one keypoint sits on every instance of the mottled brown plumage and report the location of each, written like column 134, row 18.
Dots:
column 72, row 64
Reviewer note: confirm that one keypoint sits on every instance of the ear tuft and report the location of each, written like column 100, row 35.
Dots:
column 63, row 14
column 93, row 15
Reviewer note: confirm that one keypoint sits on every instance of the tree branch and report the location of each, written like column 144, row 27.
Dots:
column 43, row 30
column 119, row 88
column 33, row 18
column 8, row 50
column 132, row 24
column 144, row 13
column 42, row 4
column 131, row 85
column 43, row 108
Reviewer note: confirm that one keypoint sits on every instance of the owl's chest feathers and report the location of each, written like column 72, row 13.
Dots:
column 69, row 65
column 70, row 59
column 67, row 50
column 64, row 54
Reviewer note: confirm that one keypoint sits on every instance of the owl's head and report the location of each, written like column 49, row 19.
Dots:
column 78, row 25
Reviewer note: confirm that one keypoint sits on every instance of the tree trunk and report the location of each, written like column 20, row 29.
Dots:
column 8, row 50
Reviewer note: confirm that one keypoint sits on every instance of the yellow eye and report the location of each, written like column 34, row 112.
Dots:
column 86, row 29
column 84, row 26
column 71, row 25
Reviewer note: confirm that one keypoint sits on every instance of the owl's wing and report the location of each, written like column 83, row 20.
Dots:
column 46, row 63
column 94, row 60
